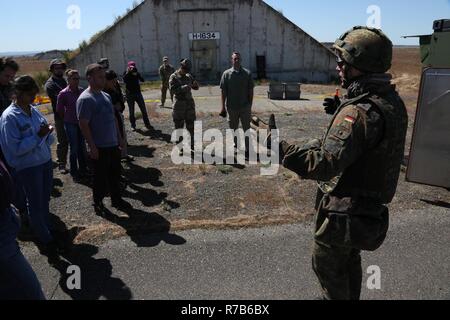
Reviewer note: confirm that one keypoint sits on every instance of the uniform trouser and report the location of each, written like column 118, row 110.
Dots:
column 77, row 149
column 37, row 182
column 339, row 271
column 338, row 268
column 164, row 88
column 184, row 115
column 107, row 170
column 62, row 148
column 132, row 99
column 18, row 280
column 244, row 116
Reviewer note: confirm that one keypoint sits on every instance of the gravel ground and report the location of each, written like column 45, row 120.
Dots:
column 167, row 197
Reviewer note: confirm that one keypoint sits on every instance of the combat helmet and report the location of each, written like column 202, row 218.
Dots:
column 367, row 49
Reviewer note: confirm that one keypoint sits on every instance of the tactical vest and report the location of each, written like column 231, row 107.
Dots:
column 376, row 173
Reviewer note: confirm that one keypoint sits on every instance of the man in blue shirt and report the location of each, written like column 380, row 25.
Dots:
column 100, row 129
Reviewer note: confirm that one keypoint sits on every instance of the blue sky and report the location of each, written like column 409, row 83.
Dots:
column 31, row 25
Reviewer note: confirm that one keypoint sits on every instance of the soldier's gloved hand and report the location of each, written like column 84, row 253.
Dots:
column 272, row 125
column 284, row 147
column 331, row 105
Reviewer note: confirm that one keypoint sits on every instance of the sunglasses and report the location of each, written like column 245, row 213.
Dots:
column 340, row 62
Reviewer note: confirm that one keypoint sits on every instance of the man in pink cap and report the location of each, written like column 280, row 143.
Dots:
column 133, row 79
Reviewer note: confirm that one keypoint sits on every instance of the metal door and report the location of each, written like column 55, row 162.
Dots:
column 429, row 161
column 205, row 53
column 204, row 59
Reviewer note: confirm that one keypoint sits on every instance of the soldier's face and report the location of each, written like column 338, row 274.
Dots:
column 346, row 72
column 6, row 76
column 341, row 69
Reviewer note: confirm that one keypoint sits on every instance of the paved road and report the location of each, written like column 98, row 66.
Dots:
column 268, row 263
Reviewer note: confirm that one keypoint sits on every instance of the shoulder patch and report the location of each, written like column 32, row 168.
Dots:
column 364, row 106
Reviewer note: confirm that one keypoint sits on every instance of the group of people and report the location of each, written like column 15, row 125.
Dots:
column 90, row 127
column 357, row 163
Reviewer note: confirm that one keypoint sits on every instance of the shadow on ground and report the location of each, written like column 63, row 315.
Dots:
column 441, row 204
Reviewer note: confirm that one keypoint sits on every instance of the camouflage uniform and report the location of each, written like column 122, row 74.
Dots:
column 357, row 165
column 184, row 104
column 165, row 72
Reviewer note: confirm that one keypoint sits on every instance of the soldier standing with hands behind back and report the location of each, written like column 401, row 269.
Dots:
column 357, row 164
column 165, row 71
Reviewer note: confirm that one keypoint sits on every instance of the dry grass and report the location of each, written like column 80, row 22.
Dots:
column 406, row 70
column 32, row 66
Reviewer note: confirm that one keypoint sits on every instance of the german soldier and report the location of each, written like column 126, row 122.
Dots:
column 357, row 163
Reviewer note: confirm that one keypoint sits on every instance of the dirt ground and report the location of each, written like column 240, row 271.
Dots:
column 167, row 197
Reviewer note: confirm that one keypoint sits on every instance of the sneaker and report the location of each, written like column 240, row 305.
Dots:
column 133, row 130
column 63, row 169
column 128, row 159
column 149, row 127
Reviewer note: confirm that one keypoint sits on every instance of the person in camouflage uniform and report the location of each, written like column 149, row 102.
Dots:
column 357, row 163
column 165, row 71
column 181, row 84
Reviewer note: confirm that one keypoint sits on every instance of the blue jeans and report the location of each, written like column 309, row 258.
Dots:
column 37, row 183
column 18, row 280
column 77, row 148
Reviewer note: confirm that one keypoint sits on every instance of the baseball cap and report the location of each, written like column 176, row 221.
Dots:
column 57, row 62
column 103, row 60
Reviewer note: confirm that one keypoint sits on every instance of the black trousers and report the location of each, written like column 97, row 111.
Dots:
column 107, row 171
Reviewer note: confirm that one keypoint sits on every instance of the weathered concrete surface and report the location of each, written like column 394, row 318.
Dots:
column 266, row 263
column 180, row 197
column 160, row 28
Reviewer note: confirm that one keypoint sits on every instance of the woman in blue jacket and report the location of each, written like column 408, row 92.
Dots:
column 25, row 138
